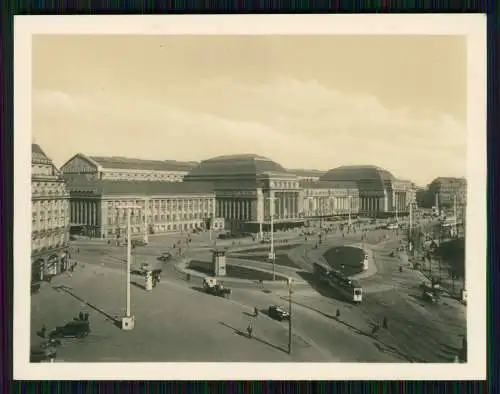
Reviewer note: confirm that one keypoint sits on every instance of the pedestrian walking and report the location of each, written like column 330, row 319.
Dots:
column 375, row 329
column 337, row 314
column 81, row 316
column 250, row 330
column 385, row 323
column 188, row 277
column 86, row 316
column 43, row 331
column 255, row 311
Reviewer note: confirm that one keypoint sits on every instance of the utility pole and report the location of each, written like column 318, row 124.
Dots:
column 146, row 238
column 128, row 321
column 272, row 256
column 349, row 201
column 396, row 206
column 455, row 228
column 210, row 225
column 290, row 315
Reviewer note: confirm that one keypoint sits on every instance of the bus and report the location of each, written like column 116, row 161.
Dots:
column 348, row 288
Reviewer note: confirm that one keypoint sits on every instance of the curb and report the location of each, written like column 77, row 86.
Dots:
column 226, row 279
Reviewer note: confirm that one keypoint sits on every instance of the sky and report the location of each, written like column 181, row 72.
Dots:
column 314, row 102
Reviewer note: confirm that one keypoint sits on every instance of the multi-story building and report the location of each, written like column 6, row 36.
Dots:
column 245, row 186
column 443, row 191
column 380, row 193
column 325, row 198
column 126, row 169
column 307, row 175
column 50, row 217
column 99, row 207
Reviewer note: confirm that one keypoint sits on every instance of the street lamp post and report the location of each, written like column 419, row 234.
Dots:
column 396, row 206
column 128, row 321
column 349, row 202
column 146, row 238
column 271, row 253
column 290, row 315
column 210, row 225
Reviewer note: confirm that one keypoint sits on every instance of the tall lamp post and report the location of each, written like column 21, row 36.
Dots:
column 349, row 197
column 146, row 237
column 128, row 321
column 396, row 206
column 272, row 256
column 290, row 315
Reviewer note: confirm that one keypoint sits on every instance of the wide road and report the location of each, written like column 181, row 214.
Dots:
column 199, row 327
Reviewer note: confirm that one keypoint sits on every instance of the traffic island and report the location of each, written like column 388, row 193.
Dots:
column 347, row 259
column 233, row 271
column 281, row 259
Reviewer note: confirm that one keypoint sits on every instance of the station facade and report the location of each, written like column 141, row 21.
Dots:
column 99, row 207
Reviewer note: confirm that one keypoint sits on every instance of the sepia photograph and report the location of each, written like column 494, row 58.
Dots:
column 241, row 199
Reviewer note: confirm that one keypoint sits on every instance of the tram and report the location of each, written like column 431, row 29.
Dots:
column 348, row 288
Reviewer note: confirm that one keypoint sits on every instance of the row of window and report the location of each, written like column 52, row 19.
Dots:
column 166, row 227
column 48, row 241
column 48, row 225
column 143, row 176
column 47, row 205
column 164, row 203
column 112, row 219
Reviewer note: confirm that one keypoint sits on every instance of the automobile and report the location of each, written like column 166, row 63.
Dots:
column 165, row 256
column 141, row 270
column 74, row 329
column 278, row 312
column 139, row 242
column 38, row 355
column 429, row 297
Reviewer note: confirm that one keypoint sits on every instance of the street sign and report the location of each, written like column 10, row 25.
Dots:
column 271, row 256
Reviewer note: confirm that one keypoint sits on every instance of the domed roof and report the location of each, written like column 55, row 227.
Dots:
column 245, row 164
column 363, row 175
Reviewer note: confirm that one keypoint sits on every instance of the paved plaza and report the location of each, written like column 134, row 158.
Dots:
column 177, row 322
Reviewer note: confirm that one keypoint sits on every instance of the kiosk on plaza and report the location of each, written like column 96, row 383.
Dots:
column 219, row 262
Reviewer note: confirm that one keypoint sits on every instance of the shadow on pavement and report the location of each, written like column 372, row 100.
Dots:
column 65, row 289
column 198, row 289
column 138, row 285
column 241, row 333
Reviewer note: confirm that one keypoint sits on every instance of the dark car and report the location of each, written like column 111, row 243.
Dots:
column 278, row 313
column 74, row 329
column 165, row 256
column 138, row 242
column 38, row 355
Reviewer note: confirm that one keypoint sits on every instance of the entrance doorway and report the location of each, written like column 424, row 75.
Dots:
column 37, row 269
